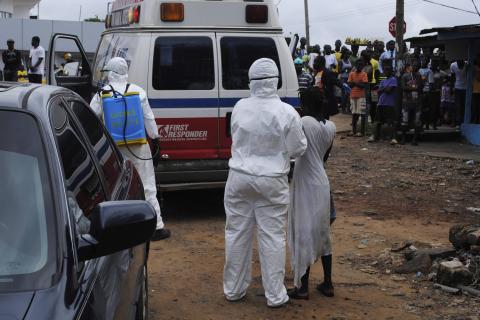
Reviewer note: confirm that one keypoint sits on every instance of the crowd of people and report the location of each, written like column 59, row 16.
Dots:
column 420, row 91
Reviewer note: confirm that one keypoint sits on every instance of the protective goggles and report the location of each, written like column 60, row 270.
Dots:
column 264, row 78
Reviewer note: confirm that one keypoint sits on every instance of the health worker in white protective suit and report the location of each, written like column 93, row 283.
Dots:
column 117, row 69
column 266, row 134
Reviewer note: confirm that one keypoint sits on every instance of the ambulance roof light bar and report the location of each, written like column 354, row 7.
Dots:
column 172, row 12
column 175, row 12
column 256, row 13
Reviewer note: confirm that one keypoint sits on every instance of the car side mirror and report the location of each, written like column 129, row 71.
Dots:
column 116, row 226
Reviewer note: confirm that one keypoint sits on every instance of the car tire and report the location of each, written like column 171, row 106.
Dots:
column 142, row 303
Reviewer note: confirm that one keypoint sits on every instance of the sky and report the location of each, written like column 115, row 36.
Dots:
column 329, row 19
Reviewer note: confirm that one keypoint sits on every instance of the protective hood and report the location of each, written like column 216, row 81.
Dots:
column 263, row 75
column 117, row 69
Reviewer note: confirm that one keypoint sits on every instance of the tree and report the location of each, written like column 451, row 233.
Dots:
column 94, row 19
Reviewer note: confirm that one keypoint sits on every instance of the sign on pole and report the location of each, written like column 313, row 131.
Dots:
column 392, row 27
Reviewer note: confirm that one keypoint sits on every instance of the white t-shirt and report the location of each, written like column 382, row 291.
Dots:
column 311, row 59
column 330, row 59
column 460, row 76
column 35, row 55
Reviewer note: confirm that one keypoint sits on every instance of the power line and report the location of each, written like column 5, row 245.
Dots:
column 447, row 6
column 476, row 9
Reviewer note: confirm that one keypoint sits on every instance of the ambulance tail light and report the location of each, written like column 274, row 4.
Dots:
column 130, row 15
column 256, row 13
column 172, row 12
column 136, row 14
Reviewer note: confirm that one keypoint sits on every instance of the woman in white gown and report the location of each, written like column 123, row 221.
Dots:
column 311, row 206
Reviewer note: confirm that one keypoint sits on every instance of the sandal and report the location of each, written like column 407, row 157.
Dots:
column 294, row 293
column 326, row 290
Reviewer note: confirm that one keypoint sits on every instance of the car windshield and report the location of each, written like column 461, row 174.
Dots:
column 27, row 225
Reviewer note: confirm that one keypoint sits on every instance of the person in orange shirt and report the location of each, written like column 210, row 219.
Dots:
column 358, row 81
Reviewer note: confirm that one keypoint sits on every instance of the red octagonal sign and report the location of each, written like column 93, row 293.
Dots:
column 392, row 27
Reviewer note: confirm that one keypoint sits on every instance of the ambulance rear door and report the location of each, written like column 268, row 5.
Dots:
column 183, row 93
column 237, row 52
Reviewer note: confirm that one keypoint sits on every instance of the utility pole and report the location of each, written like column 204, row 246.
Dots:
column 307, row 24
column 400, row 21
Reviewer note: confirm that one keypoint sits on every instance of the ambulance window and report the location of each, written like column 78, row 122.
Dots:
column 238, row 54
column 104, row 53
column 183, row 63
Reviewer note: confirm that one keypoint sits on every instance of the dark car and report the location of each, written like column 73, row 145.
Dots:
column 74, row 226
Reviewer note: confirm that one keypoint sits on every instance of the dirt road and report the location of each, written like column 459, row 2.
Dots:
column 384, row 196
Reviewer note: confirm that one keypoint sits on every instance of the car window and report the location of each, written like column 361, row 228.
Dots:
column 238, row 54
column 101, row 145
column 27, row 211
column 81, row 177
column 183, row 63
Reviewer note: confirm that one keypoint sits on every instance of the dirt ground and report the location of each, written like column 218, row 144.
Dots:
column 384, row 195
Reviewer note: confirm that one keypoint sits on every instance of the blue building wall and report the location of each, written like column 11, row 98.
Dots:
column 469, row 130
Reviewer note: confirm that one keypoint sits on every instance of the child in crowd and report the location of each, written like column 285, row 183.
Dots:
column 358, row 81
column 386, row 105
column 412, row 87
column 448, row 102
column 311, row 206
column 427, row 76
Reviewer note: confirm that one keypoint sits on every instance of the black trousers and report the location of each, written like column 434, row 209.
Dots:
column 434, row 108
column 35, row 78
column 10, row 75
column 460, row 96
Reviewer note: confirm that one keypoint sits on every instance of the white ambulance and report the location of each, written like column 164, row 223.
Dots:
column 192, row 57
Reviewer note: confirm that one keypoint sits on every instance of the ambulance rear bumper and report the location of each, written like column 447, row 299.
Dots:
column 195, row 174
column 172, row 175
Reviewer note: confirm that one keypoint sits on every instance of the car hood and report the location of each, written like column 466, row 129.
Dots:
column 14, row 306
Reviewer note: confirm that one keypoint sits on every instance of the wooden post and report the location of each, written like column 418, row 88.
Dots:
column 307, row 24
column 400, row 20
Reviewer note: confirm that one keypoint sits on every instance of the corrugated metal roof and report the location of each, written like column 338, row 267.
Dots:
column 469, row 28
column 426, row 38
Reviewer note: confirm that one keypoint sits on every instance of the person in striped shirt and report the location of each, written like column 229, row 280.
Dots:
column 305, row 79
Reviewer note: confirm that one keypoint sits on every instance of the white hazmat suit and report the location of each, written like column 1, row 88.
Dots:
column 118, row 79
column 266, row 133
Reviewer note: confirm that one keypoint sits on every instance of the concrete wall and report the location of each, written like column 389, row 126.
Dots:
column 22, row 31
